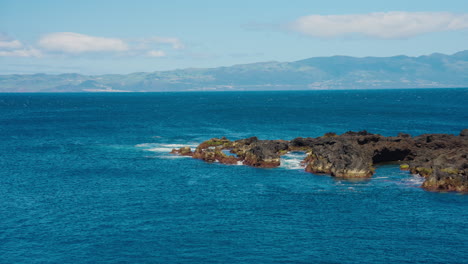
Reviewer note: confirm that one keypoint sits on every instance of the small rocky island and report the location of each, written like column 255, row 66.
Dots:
column 442, row 159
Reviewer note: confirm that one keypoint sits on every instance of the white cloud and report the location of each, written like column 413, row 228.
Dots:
column 26, row 52
column 174, row 42
column 156, row 53
column 10, row 44
column 70, row 42
column 75, row 43
column 14, row 48
column 388, row 25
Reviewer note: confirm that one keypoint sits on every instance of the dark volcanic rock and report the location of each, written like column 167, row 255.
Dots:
column 340, row 160
column 260, row 153
column 447, row 172
column 212, row 151
column 464, row 133
column 353, row 154
column 440, row 158
column 264, row 153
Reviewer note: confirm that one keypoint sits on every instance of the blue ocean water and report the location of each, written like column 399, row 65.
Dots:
column 87, row 178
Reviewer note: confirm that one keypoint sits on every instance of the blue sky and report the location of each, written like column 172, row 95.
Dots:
column 98, row 37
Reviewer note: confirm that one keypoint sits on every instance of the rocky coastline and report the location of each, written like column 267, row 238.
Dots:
column 442, row 159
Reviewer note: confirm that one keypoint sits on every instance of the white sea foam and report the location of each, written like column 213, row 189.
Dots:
column 176, row 145
column 162, row 147
column 415, row 180
column 173, row 157
column 144, row 145
column 159, row 149
column 292, row 160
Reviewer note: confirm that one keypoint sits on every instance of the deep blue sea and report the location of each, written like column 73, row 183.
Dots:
column 87, row 178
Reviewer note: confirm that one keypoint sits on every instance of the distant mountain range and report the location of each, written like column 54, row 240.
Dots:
column 337, row 72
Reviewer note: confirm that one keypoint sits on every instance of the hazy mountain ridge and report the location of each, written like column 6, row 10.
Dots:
column 337, row 72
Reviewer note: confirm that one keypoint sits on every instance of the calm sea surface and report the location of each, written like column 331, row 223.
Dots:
column 87, row 178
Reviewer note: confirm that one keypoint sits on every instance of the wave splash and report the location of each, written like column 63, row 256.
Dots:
column 293, row 160
column 414, row 180
column 162, row 150
column 163, row 147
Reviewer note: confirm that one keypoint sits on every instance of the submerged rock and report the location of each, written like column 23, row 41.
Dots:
column 440, row 158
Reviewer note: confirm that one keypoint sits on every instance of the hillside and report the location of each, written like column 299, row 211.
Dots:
column 337, row 72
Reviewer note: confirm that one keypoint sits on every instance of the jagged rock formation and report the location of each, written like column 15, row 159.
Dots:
column 352, row 154
column 443, row 161
column 440, row 158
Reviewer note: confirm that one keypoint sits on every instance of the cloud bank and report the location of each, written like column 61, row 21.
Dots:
column 70, row 42
column 14, row 48
column 383, row 25
column 75, row 43
column 24, row 52
column 10, row 44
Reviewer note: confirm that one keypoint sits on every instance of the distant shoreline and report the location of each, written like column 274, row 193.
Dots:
column 243, row 91
column 319, row 73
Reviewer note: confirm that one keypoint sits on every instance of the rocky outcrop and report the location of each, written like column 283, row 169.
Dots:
column 464, row 133
column 250, row 151
column 440, row 158
column 353, row 154
column 183, row 151
column 212, row 151
column 443, row 161
column 260, row 153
